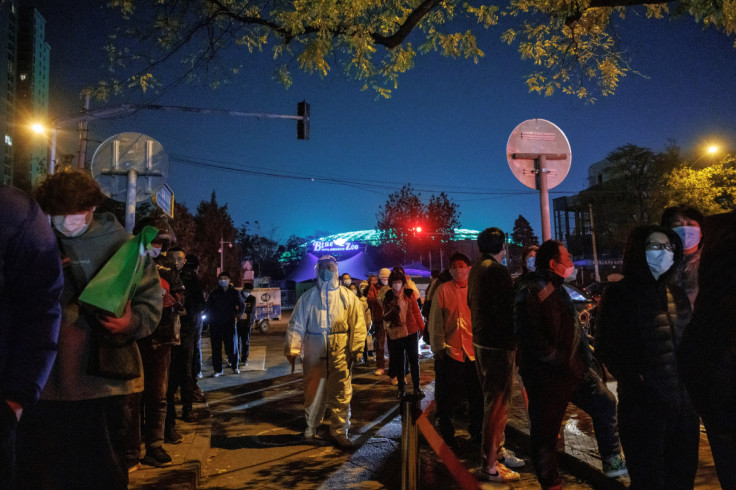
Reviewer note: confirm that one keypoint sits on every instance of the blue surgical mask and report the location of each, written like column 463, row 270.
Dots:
column 659, row 261
column 690, row 236
column 326, row 275
column 531, row 262
column 223, row 283
column 504, row 262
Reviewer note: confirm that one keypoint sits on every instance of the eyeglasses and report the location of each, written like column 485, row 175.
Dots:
column 660, row 246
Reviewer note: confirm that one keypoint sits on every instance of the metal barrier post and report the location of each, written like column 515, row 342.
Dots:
column 410, row 412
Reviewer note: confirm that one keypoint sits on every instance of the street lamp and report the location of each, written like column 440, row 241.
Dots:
column 712, row 150
column 222, row 253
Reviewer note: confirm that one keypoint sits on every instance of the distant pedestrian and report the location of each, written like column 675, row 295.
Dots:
column 377, row 329
column 223, row 309
column 31, row 284
column 245, row 324
column 451, row 338
column 686, row 222
column 491, row 301
column 74, row 437
column 327, row 330
column 708, row 347
column 182, row 355
column 346, row 280
column 404, row 325
column 555, row 365
column 528, row 262
column 194, row 304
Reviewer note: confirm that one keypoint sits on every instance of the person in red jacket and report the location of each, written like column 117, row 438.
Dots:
column 403, row 323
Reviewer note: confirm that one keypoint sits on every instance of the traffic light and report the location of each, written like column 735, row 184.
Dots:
column 302, row 125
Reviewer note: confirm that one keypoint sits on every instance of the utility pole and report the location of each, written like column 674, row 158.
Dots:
column 595, row 250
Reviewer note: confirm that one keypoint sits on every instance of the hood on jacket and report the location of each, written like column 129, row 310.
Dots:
column 329, row 262
column 635, row 260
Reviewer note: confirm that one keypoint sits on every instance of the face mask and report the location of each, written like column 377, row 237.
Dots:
column 571, row 277
column 384, row 281
column 690, row 236
column 659, row 261
column 326, row 275
column 154, row 252
column 396, row 286
column 460, row 275
column 564, row 272
column 224, row 282
column 504, row 262
column 346, row 282
column 246, row 294
column 530, row 262
column 70, row 225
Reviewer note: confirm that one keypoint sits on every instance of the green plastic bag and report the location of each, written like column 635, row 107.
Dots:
column 108, row 292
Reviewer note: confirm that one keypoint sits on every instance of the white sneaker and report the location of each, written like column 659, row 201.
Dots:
column 310, row 433
column 509, row 459
column 500, row 474
column 217, row 375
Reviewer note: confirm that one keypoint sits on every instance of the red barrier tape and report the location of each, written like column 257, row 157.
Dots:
column 457, row 469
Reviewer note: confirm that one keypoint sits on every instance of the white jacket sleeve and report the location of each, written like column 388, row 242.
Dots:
column 297, row 327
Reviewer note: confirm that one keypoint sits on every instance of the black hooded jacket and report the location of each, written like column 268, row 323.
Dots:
column 640, row 325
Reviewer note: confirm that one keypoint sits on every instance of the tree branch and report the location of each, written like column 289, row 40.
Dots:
column 409, row 24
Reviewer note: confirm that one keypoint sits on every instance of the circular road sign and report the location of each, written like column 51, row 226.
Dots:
column 530, row 140
column 121, row 153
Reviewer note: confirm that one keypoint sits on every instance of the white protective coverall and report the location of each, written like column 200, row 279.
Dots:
column 328, row 347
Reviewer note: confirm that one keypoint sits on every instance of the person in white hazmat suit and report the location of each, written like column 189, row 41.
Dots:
column 328, row 331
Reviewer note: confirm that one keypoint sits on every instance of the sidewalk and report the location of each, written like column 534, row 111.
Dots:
column 379, row 455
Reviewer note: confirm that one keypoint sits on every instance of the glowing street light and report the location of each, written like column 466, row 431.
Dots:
column 38, row 128
column 712, row 150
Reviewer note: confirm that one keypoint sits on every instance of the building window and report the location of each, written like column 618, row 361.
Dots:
column 8, row 140
column 22, row 76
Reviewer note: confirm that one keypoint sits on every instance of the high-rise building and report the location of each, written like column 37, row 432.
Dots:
column 8, row 64
column 32, row 98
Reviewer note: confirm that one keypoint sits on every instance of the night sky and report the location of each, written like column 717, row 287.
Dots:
column 444, row 129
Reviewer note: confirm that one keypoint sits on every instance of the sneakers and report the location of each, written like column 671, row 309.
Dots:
column 171, row 436
column 188, row 416
column 615, row 466
column 500, row 474
column 342, row 441
column 509, row 459
column 379, row 372
column 199, row 375
column 217, row 374
column 236, row 370
column 156, row 456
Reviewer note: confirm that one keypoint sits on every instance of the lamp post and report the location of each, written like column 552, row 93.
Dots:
column 222, row 253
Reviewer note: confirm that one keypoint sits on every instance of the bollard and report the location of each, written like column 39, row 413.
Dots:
column 410, row 412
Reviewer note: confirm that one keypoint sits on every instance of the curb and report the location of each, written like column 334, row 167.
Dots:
column 190, row 458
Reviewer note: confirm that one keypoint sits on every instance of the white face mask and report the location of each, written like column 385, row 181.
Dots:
column 384, row 281
column 396, row 286
column 346, row 282
column 690, row 236
column 154, row 251
column 246, row 294
column 530, row 263
column 461, row 274
column 659, row 261
column 70, row 225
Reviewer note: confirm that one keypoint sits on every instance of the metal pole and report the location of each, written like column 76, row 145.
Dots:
column 222, row 253
column 595, row 249
column 130, row 201
column 83, row 137
column 541, row 164
column 52, row 158
column 409, row 443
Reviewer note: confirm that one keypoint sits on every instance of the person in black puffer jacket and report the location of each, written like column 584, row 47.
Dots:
column 639, row 328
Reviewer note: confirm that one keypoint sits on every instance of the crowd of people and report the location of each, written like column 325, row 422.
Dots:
column 665, row 332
